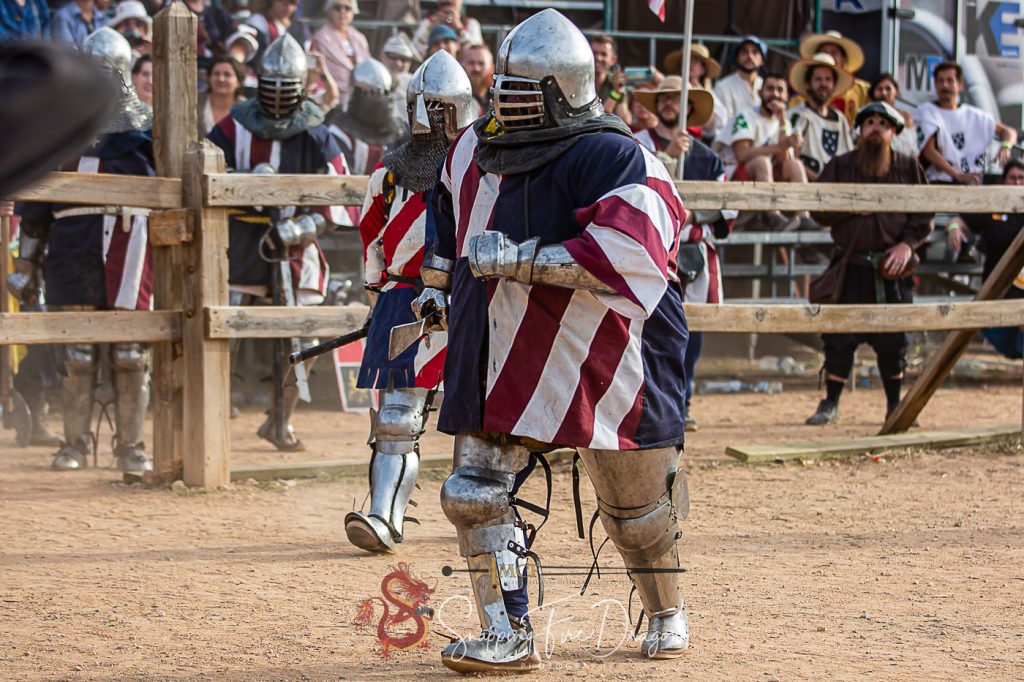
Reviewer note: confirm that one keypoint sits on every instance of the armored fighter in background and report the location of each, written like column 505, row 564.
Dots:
column 367, row 128
column 555, row 236
column 274, row 253
column 393, row 227
column 98, row 258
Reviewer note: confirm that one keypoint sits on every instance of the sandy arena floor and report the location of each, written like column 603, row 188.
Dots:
column 910, row 567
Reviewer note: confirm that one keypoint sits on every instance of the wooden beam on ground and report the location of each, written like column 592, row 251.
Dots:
column 852, row 447
column 942, row 362
column 105, row 326
column 275, row 322
column 243, row 189
column 332, row 468
column 207, row 362
column 104, row 190
column 287, row 190
column 174, row 130
column 268, row 322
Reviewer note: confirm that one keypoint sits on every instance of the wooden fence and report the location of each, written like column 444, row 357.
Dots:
column 193, row 325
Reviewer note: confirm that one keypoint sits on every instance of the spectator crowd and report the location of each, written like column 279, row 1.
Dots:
column 815, row 122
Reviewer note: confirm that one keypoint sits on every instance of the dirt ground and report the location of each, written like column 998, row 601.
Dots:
column 909, row 567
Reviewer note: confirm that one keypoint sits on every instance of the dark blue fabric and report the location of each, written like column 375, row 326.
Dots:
column 73, row 270
column 393, row 308
column 517, row 601
column 31, row 22
column 694, row 345
column 593, row 167
column 702, row 163
column 308, row 152
column 1009, row 341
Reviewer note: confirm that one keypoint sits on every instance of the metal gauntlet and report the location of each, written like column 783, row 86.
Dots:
column 24, row 283
column 493, row 254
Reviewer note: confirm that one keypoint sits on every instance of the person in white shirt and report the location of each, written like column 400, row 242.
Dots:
column 886, row 89
column 826, row 132
column 760, row 146
column 955, row 137
column 739, row 90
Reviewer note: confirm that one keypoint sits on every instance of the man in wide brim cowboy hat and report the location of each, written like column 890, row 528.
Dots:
column 699, row 54
column 801, row 71
column 700, row 99
column 849, row 57
column 666, row 140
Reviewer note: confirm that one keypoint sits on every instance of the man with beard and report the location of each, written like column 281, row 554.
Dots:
column 367, row 127
column 848, row 58
column 759, row 145
column 826, row 133
column 274, row 254
column 555, row 238
column 880, row 255
column 609, row 78
column 393, row 228
column 741, row 90
column 478, row 62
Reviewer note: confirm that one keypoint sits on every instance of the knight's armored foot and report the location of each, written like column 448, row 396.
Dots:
column 72, row 456
column 268, row 431
column 827, row 413
column 20, row 419
column 494, row 651
column 40, row 433
column 668, row 636
column 132, row 459
column 369, row 533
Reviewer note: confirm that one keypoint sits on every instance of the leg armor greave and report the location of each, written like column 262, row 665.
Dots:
column 476, row 498
column 641, row 496
column 79, row 383
column 393, row 469
column 131, row 365
column 283, row 435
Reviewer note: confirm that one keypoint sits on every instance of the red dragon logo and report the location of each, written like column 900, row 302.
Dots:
column 405, row 622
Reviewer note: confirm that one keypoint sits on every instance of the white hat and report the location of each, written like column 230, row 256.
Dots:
column 130, row 9
column 400, row 46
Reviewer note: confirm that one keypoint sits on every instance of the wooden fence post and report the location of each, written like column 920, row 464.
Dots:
column 207, row 386
column 174, row 129
column 941, row 363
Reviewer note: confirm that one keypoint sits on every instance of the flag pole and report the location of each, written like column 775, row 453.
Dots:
column 684, row 95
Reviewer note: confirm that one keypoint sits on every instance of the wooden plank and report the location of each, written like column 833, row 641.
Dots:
column 108, row 326
column 104, row 190
column 273, row 472
column 286, row 190
column 941, row 363
column 852, row 447
column 6, row 355
column 271, row 322
column 274, row 322
column 242, row 189
column 207, row 375
column 171, row 228
column 174, row 130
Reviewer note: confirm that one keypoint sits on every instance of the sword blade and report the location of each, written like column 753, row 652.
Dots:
column 405, row 335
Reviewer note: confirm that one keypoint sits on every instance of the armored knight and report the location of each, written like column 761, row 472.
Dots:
column 274, row 255
column 553, row 271
column 98, row 258
column 393, row 228
column 367, row 126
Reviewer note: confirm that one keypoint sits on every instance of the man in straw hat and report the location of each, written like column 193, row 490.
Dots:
column 666, row 139
column 703, row 72
column 848, row 57
column 698, row 262
column 826, row 133
column 878, row 249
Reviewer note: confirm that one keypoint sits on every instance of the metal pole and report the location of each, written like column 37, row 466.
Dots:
column 684, row 95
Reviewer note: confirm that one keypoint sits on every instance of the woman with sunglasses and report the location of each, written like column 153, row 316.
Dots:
column 341, row 45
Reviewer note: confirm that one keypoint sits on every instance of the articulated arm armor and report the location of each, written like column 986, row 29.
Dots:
column 25, row 282
column 436, row 274
column 493, row 254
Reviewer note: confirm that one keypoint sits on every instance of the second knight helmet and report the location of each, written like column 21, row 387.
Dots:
column 110, row 49
column 440, row 82
column 282, row 77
